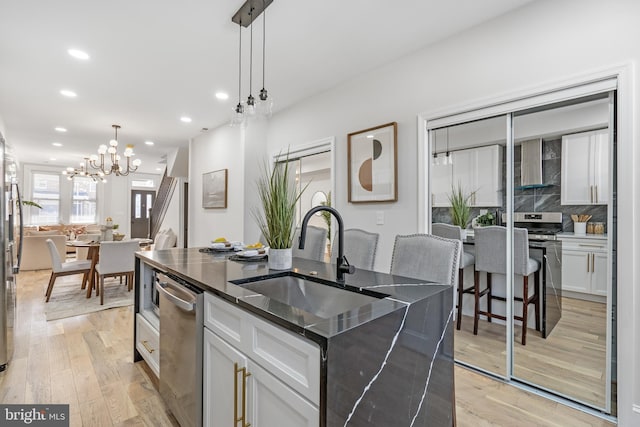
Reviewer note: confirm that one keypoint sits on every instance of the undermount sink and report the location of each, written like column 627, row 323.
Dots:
column 319, row 299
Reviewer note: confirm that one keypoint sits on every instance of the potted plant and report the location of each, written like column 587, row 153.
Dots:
column 278, row 197
column 460, row 207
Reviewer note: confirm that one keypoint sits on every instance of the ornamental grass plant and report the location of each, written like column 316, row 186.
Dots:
column 460, row 206
column 278, row 198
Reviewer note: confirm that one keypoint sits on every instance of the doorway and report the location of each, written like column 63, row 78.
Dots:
column 570, row 330
column 141, row 204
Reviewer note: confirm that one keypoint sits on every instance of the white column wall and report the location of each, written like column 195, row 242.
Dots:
column 542, row 43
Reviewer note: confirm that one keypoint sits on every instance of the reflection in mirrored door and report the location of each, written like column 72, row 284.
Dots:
column 562, row 183
column 466, row 185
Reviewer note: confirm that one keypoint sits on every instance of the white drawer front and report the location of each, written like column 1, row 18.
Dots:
column 224, row 319
column 148, row 344
column 292, row 359
column 288, row 356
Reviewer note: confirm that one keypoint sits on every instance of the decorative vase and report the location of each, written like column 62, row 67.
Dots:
column 280, row 259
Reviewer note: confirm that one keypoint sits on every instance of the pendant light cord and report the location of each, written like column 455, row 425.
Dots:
column 264, row 32
column 251, row 53
column 240, row 65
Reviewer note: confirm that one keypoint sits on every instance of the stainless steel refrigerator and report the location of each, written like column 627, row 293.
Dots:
column 10, row 252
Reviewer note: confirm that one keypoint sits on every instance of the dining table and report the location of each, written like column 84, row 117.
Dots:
column 93, row 254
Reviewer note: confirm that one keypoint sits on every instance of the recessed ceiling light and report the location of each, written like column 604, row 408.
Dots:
column 149, row 142
column 158, row 169
column 185, row 119
column 370, row 136
column 53, row 159
column 222, row 95
column 56, row 144
column 61, row 129
column 68, row 93
column 78, row 54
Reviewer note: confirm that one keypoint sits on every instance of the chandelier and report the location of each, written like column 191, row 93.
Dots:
column 98, row 161
column 83, row 170
column 244, row 17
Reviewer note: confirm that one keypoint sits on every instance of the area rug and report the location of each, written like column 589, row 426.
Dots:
column 68, row 300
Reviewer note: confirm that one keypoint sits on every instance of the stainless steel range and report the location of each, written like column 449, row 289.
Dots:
column 541, row 225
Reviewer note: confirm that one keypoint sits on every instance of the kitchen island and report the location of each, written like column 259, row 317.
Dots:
column 387, row 361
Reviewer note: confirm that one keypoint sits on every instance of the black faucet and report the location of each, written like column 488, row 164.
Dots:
column 343, row 265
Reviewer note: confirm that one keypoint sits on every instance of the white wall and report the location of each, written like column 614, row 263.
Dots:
column 544, row 42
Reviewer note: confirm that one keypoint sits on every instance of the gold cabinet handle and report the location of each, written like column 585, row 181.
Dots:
column 593, row 263
column 588, row 263
column 243, row 417
column 596, row 187
column 145, row 344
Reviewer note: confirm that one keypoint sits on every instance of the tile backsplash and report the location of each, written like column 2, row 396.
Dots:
column 545, row 199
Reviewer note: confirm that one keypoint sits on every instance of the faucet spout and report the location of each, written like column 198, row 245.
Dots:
column 342, row 265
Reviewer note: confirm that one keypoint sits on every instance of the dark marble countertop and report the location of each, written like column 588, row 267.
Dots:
column 214, row 272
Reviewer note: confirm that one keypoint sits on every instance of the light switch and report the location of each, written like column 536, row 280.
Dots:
column 379, row 217
column 483, row 211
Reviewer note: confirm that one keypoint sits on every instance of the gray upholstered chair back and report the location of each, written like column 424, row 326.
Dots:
column 359, row 247
column 491, row 248
column 447, row 231
column 427, row 257
column 314, row 244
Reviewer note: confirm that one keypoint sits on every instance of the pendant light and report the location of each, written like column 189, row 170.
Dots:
column 251, row 101
column 238, row 113
column 449, row 159
column 266, row 104
column 435, row 161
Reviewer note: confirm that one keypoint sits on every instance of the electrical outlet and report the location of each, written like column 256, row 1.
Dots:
column 483, row 211
column 379, row 217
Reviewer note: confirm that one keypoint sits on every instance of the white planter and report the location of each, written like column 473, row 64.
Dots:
column 579, row 228
column 279, row 259
column 463, row 234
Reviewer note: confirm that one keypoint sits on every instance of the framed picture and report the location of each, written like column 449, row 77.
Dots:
column 373, row 164
column 214, row 189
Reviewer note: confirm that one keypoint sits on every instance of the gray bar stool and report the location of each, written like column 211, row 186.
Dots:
column 449, row 231
column 315, row 244
column 490, row 245
column 359, row 247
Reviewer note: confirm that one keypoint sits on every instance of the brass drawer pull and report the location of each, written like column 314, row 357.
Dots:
column 145, row 344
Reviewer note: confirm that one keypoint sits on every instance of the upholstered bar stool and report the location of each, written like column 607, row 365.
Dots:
column 449, row 231
column 315, row 244
column 490, row 245
column 359, row 247
column 426, row 257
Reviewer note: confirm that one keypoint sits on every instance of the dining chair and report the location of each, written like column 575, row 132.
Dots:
column 426, row 257
column 359, row 247
column 116, row 259
column 59, row 268
column 449, row 231
column 490, row 244
column 315, row 244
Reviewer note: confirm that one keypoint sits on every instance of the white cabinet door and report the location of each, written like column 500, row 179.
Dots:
column 576, row 271
column 600, row 176
column 220, row 380
column 440, row 185
column 585, row 168
column 271, row 403
column 599, row 273
column 487, row 176
column 463, row 171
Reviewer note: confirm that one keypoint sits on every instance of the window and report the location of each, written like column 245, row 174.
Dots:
column 83, row 201
column 46, row 192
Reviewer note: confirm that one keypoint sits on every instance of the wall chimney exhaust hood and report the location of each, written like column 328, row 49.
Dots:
column 531, row 164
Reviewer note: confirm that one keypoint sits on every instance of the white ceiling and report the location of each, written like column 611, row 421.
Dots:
column 154, row 61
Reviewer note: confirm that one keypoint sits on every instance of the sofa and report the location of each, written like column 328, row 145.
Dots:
column 35, row 253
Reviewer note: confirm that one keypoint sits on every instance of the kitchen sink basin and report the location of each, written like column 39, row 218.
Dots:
column 319, row 299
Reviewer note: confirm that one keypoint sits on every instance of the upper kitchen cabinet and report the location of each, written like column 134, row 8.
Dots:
column 585, row 168
column 477, row 170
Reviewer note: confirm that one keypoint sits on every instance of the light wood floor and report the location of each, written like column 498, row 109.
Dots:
column 571, row 360
column 86, row 361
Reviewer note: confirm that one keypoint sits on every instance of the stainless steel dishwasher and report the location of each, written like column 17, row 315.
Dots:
column 181, row 333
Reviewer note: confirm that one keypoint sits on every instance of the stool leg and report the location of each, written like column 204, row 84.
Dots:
column 476, row 307
column 525, row 307
column 460, row 291
column 489, row 297
column 536, row 281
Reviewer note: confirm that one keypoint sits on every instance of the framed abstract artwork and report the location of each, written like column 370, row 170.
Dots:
column 214, row 189
column 373, row 164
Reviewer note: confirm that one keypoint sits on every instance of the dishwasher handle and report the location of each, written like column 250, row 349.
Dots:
column 177, row 301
